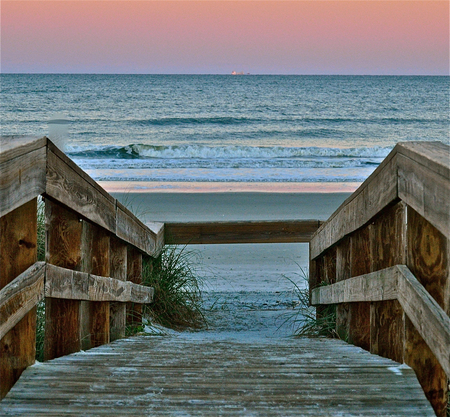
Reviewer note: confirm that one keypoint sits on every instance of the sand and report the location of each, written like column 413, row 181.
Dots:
column 247, row 287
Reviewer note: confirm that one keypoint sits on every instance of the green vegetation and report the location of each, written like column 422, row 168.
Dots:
column 305, row 319
column 178, row 299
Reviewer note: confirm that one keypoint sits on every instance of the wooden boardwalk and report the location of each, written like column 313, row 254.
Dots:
column 211, row 374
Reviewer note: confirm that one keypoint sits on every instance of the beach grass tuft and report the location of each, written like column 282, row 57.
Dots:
column 178, row 298
column 305, row 319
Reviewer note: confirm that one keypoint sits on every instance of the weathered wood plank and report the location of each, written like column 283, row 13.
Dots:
column 67, row 284
column 426, row 192
column 118, row 270
column 211, row 376
column 63, row 248
column 240, row 232
column 134, row 274
column 14, row 146
column 377, row 192
column 22, row 179
column 375, row 286
column 427, row 316
column 69, row 185
column 433, row 155
column 133, row 231
column 19, row 296
column 388, row 242
column 18, row 251
column 428, row 260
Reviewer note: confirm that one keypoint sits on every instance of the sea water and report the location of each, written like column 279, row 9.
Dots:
column 224, row 128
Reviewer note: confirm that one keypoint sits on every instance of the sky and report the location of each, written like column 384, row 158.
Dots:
column 217, row 37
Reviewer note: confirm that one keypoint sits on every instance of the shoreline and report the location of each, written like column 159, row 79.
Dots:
column 228, row 187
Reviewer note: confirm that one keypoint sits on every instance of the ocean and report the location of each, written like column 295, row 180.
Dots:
column 172, row 129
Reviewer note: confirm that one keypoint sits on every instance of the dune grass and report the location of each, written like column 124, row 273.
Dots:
column 178, row 298
column 305, row 319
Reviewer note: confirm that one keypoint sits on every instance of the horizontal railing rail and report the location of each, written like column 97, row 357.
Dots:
column 41, row 280
column 279, row 231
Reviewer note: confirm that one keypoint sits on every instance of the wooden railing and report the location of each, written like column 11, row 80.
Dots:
column 93, row 258
column 384, row 259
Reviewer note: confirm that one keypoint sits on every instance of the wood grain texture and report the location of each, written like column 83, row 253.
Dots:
column 118, row 270
column 63, row 248
column 375, row 286
column 12, row 147
column 69, row 185
column 18, row 251
column 426, row 192
column 433, row 155
column 342, row 273
column 22, row 179
column 94, row 314
column 286, row 231
column 428, row 261
column 21, row 295
column 388, row 247
column 131, row 230
column 134, row 274
column 67, row 284
column 377, row 192
column 172, row 375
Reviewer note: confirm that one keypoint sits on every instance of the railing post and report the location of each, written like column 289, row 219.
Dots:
column 360, row 263
column 96, row 260
column 428, row 259
column 18, row 251
column 388, row 249
column 342, row 273
column 134, row 274
column 118, row 269
column 63, row 248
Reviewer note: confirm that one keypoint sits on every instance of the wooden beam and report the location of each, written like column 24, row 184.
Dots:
column 427, row 316
column 19, row 296
column 426, row 191
column 376, row 286
column 69, row 185
column 240, row 232
column 130, row 229
column 67, row 284
column 377, row 192
column 23, row 179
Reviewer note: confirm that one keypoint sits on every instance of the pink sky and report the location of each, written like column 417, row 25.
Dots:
column 216, row 37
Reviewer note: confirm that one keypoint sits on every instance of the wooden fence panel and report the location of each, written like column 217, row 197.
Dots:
column 18, row 251
column 63, row 248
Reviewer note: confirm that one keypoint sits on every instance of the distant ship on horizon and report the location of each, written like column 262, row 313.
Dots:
column 239, row 73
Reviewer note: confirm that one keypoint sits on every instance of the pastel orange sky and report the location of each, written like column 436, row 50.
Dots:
column 216, row 37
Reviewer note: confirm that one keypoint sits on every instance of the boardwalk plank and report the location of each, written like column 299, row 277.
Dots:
column 190, row 376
